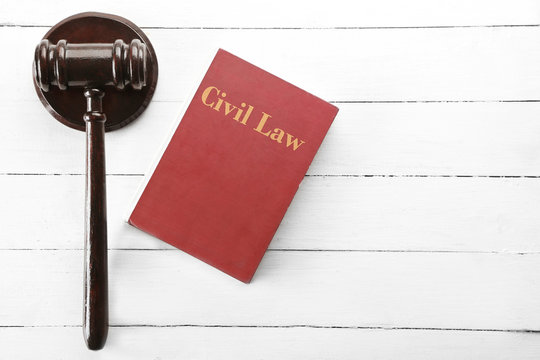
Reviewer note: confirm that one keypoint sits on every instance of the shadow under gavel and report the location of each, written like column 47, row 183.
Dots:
column 93, row 67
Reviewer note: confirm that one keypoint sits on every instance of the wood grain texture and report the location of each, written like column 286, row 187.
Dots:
column 297, row 14
column 417, row 262
column 365, row 139
column 448, row 64
column 95, row 283
column 274, row 343
column 327, row 213
column 343, row 289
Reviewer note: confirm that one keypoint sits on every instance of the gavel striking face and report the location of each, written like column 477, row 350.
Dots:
column 91, row 56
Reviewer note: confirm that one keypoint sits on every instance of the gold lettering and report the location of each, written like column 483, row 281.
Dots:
column 219, row 102
column 277, row 135
column 239, row 113
column 205, row 94
column 229, row 108
column 261, row 124
column 294, row 142
column 248, row 113
column 214, row 98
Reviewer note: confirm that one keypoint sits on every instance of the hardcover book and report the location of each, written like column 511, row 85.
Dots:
column 232, row 165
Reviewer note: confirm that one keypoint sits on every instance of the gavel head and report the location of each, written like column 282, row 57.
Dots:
column 91, row 65
column 95, row 51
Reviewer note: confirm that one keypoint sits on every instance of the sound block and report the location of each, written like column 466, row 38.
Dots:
column 120, row 106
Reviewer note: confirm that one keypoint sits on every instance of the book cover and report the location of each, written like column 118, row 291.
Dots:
column 233, row 165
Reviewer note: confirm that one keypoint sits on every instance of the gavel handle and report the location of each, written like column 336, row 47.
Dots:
column 96, row 309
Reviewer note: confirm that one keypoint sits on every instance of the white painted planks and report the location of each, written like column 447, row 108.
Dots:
column 479, row 64
column 465, row 234
column 332, row 213
column 271, row 343
column 297, row 14
column 344, row 289
column 365, row 139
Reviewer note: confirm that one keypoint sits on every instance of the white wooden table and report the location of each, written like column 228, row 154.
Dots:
column 415, row 235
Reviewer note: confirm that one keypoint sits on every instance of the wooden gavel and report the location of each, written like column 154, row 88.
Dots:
column 91, row 65
column 95, row 67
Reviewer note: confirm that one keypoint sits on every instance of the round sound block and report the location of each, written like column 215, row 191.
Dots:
column 120, row 106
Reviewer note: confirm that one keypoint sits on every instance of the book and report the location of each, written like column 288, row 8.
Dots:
column 232, row 165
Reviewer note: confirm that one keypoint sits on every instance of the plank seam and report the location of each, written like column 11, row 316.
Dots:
column 295, row 326
column 432, row 101
column 313, row 175
column 11, row 25
column 392, row 251
column 440, row 101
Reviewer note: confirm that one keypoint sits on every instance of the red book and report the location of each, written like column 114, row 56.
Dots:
column 233, row 165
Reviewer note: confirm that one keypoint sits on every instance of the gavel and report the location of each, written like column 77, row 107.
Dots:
column 127, row 72
column 91, row 65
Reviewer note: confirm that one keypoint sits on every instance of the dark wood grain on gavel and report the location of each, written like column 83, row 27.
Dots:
column 90, row 65
column 96, row 310
column 96, row 68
